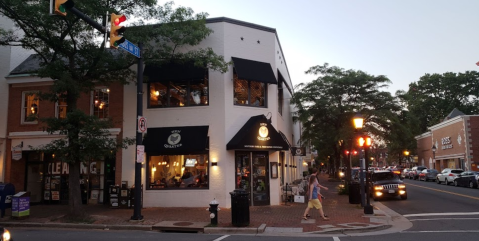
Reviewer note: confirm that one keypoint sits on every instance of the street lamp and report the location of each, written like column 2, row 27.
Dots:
column 434, row 155
column 406, row 153
column 365, row 141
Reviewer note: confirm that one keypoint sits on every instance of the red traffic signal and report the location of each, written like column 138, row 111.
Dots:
column 116, row 30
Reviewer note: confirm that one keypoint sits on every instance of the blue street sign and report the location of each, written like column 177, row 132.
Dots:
column 131, row 48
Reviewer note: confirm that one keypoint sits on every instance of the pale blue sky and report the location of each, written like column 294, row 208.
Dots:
column 402, row 39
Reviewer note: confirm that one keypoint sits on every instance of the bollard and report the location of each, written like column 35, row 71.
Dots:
column 214, row 212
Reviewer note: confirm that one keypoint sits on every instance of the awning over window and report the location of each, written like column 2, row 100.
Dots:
column 254, row 71
column 182, row 140
column 174, row 72
column 257, row 134
column 285, row 139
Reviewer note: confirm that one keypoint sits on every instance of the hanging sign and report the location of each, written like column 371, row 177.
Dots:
column 140, row 153
column 17, row 153
column 298, row 151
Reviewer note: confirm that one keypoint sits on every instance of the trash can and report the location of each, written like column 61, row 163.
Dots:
column 7, row 190
column 354, row 193
column 239, row 208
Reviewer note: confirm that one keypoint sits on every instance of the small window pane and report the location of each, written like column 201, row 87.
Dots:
column 62, row 108
column 30, row 107
column 257, row 93
column 158, row 96
column 241, row 91
column 101, row 103
column 199, row 93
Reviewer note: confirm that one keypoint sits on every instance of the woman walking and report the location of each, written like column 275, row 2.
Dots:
column 313, row 199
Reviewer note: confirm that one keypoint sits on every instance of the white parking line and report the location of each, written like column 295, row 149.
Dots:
column 436, row 219
column 336, row 239
column 440, row 214
column 221, row 238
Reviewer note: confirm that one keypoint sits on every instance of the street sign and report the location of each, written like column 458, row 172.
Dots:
column 142, row 124
column 131, row 48
column 140, row 153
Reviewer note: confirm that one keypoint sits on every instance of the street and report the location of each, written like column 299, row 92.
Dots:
column 437, row 212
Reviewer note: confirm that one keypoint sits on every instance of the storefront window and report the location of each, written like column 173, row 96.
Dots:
column 249, row 93
column 178, row 171
column 178, row 93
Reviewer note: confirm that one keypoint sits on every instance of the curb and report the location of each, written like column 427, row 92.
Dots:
column 212, row 230
column 78, row 226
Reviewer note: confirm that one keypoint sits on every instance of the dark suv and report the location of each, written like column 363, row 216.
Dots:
column 386, row 184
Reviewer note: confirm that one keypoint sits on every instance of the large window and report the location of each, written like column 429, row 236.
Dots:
column 101, row 103
column 61, row 108
column 178, row 93
column 178, row 172
column 249, row 93
column 30, row 107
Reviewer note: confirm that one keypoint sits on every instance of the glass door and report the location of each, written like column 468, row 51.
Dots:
column 260, row 178
column 243, row 171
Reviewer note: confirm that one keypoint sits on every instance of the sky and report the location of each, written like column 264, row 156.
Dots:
column 401, row 39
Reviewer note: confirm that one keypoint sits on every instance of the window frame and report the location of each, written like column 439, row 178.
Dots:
column 57, row 107
column 189, row 84
column 92, row 102
column 250, row 103
column 25, row 108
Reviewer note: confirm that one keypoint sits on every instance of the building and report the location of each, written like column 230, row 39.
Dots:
column 208, row 133
column 451, row 143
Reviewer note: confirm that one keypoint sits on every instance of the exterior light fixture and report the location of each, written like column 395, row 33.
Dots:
column 358, row 121
column 214, row 164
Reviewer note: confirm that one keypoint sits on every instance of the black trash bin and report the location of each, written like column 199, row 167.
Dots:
column 239, row 208
column 354, row 193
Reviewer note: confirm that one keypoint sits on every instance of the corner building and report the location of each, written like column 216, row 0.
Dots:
column 208, row 133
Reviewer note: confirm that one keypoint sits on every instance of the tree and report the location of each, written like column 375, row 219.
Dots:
column 327, row 105
column 74, row 56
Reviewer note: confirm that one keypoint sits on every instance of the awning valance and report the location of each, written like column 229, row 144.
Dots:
column 182, row 140
column 254, row 71
column 257, row 134
column 177, row 72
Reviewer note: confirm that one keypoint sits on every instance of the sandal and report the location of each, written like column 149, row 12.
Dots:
column 325, row 219
column 307, row 215
column 305, row 218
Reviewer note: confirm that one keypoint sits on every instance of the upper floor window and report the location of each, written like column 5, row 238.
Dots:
column 30, row 105
column 249, row 93
column 61, row 108
column 179, row 93
column 101, row 99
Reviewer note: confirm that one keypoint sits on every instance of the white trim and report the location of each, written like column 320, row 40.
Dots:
column 446, row 123
column 423, row 135
column 44, row 134
column 451, row 156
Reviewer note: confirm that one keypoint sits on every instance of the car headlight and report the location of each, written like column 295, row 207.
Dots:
column 378, row 188
column 341, row 174
column 401, row 186
column 6, row 235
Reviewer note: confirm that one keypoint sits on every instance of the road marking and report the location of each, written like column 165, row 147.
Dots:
column 443, row 231
column 221, row 238
column 435, row 219
column 440, row 214
column 336, row 239
column 458, row 194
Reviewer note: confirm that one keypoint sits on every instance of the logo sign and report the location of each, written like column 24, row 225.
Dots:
column 142, row 124
column 130, row 48
column 140, row 153
column 17, row 153
column 263, row 132
column 174, row 139
column 299, row 151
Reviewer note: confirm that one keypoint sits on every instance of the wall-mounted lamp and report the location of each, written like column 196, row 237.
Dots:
column 285, row 165
column 214, row 164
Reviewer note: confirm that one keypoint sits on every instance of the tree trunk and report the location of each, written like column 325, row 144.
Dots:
column 75, row 201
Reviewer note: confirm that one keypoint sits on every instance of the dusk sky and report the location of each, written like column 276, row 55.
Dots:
column 402, row 39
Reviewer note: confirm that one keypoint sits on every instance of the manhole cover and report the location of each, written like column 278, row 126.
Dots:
column 183, row 224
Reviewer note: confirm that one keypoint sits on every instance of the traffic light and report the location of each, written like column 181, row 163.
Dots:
column 346, row 152
column 364, row 141
column 61, row 7
column 116, row 30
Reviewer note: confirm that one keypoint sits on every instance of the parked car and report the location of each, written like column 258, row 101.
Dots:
column 414, row 173
column 428, row 174
column 447, row 175
column 405, row 173
column 386, row 184
column 467, row 179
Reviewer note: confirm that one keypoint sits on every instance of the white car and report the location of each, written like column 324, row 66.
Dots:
column 447, row 175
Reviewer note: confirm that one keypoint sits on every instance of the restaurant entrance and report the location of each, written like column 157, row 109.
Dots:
column 252, row 175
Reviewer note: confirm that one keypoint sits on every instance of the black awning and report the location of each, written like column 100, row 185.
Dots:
column 254, row 71
column 182, row 140
column 257, row 134
column 285, row 139
column 174, row 72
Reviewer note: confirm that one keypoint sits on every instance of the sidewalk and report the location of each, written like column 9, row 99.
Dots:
column 344, row 217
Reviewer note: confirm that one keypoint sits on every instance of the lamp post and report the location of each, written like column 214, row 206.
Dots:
column 358, row 121
column 434, row 155
column 406, row 154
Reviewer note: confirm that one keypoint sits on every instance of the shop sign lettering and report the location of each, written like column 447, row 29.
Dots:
column 62, row 168
column 446, row 143
column 174, row 139
column 263, row 132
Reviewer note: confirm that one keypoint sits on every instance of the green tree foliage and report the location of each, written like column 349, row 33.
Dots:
column 326, row 107
column 74, row 55
column 434, row 96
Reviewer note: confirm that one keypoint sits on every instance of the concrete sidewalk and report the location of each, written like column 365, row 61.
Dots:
column 280, row 219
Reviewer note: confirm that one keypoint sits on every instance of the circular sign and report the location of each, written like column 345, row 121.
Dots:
column 142, row 124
